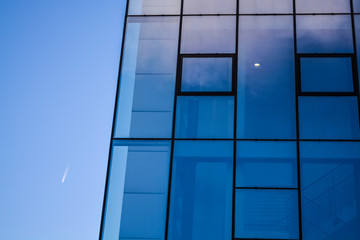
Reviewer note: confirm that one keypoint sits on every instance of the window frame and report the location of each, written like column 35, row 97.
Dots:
column 178, row 90
column 300, row 92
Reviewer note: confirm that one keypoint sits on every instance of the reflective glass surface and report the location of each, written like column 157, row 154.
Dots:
column 266, row 164
column 206, row 74
column 328, row 74
column 330, row 190
column 266, row 78
column 204, row 117
column 137, row 190
column 209, row 6
column 154, row 7
column 147, row 82
column 265, row 6
column 328, row 118
column 356, row 4
column 324, row 34
column 357, row 33
column 208, row 34
column 201, row 191
column 323, row 6
column 266, row 214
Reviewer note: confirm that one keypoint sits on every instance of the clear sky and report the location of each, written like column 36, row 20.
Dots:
column 58, row 71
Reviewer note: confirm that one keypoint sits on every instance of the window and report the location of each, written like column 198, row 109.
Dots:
column 265, row 6
column 209, row 7
column 154, row 7
column 206, row 73
column 323, row 6
column 323, row 73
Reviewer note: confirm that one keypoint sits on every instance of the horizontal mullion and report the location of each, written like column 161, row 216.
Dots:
column 267, row 188
column 240, row 139
column 309, row 55
column 199, row 94
column 327, row 94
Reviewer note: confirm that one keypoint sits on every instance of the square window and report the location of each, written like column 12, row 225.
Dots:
column 206, row 74
column 326, row 74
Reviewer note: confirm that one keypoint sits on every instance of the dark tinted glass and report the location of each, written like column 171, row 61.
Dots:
column 266, row 101
column 206, row 74
column 265, row 6
column 266, row 214
column 326, row 74
column 323, row 6
column 137, row 190
column 208, row 34
column 324, row 34
column 147, row 81
column 330, row 190
column 329, row 118
column 201, row 191
column 204, row 117
column 357, row 32
column 266, row 164
column 140, row 7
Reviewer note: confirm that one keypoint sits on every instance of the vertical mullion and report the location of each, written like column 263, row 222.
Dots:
column 113, row 124
column 235, row 90
column 176, row 92
column 297, row 91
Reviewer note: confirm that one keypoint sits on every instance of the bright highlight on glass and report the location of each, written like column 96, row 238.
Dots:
column 257, row 64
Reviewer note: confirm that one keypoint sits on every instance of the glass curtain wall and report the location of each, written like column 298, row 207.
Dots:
column 236, row 119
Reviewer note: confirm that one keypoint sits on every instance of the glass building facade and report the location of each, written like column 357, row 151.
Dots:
column 236, row 119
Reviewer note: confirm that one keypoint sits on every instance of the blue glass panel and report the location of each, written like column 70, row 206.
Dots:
column 137, row 190
column 323, row 6
column 204, row 117
column 265, row 6
column 329, row 118
column 266, row 164
column 357, row 32
column 330, row 190
column 326, row 74
column 206, row 74
column 147, row 82
column 266, row 214
column 209, row 7
column 154, row 7
column 356, row 6
column 208, row 34
column 324, row 34
column 266, row 101
column 201, row 191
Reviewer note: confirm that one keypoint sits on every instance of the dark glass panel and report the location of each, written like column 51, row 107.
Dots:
column 137, row 190
column 266, row 164
column 266, row 214
column 265, row 6
column 357, row 33
column 147, row 82
column 208, row 34
column 206, row 74
column 330, row 190
column 201, row 191
column 324, row 34
column 266, row 101
column 322, row 74
column 204, row 117
column 329, row 118
column 154, row 7
column 209, row 7
column 323, row 6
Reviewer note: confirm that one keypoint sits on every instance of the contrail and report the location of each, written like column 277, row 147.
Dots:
column 65, row 173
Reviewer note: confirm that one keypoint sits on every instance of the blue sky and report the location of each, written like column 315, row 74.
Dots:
column 59, row 64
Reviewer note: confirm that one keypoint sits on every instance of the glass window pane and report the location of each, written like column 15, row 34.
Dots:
column 209, row 7
column 329, row 118
column 208, row 34
column 322, row 74
column 147, row 82
column 330, row 190
column 137, row 190
column 266, row 101
column 357, row 32
column 324, row 34
column 266, row 214
column 323, row 6
column 356, row 6
column 204, row 117
column 201, row 191
column 148, row 7
column 266, row 164
column 206, row 74
column 265, row 6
